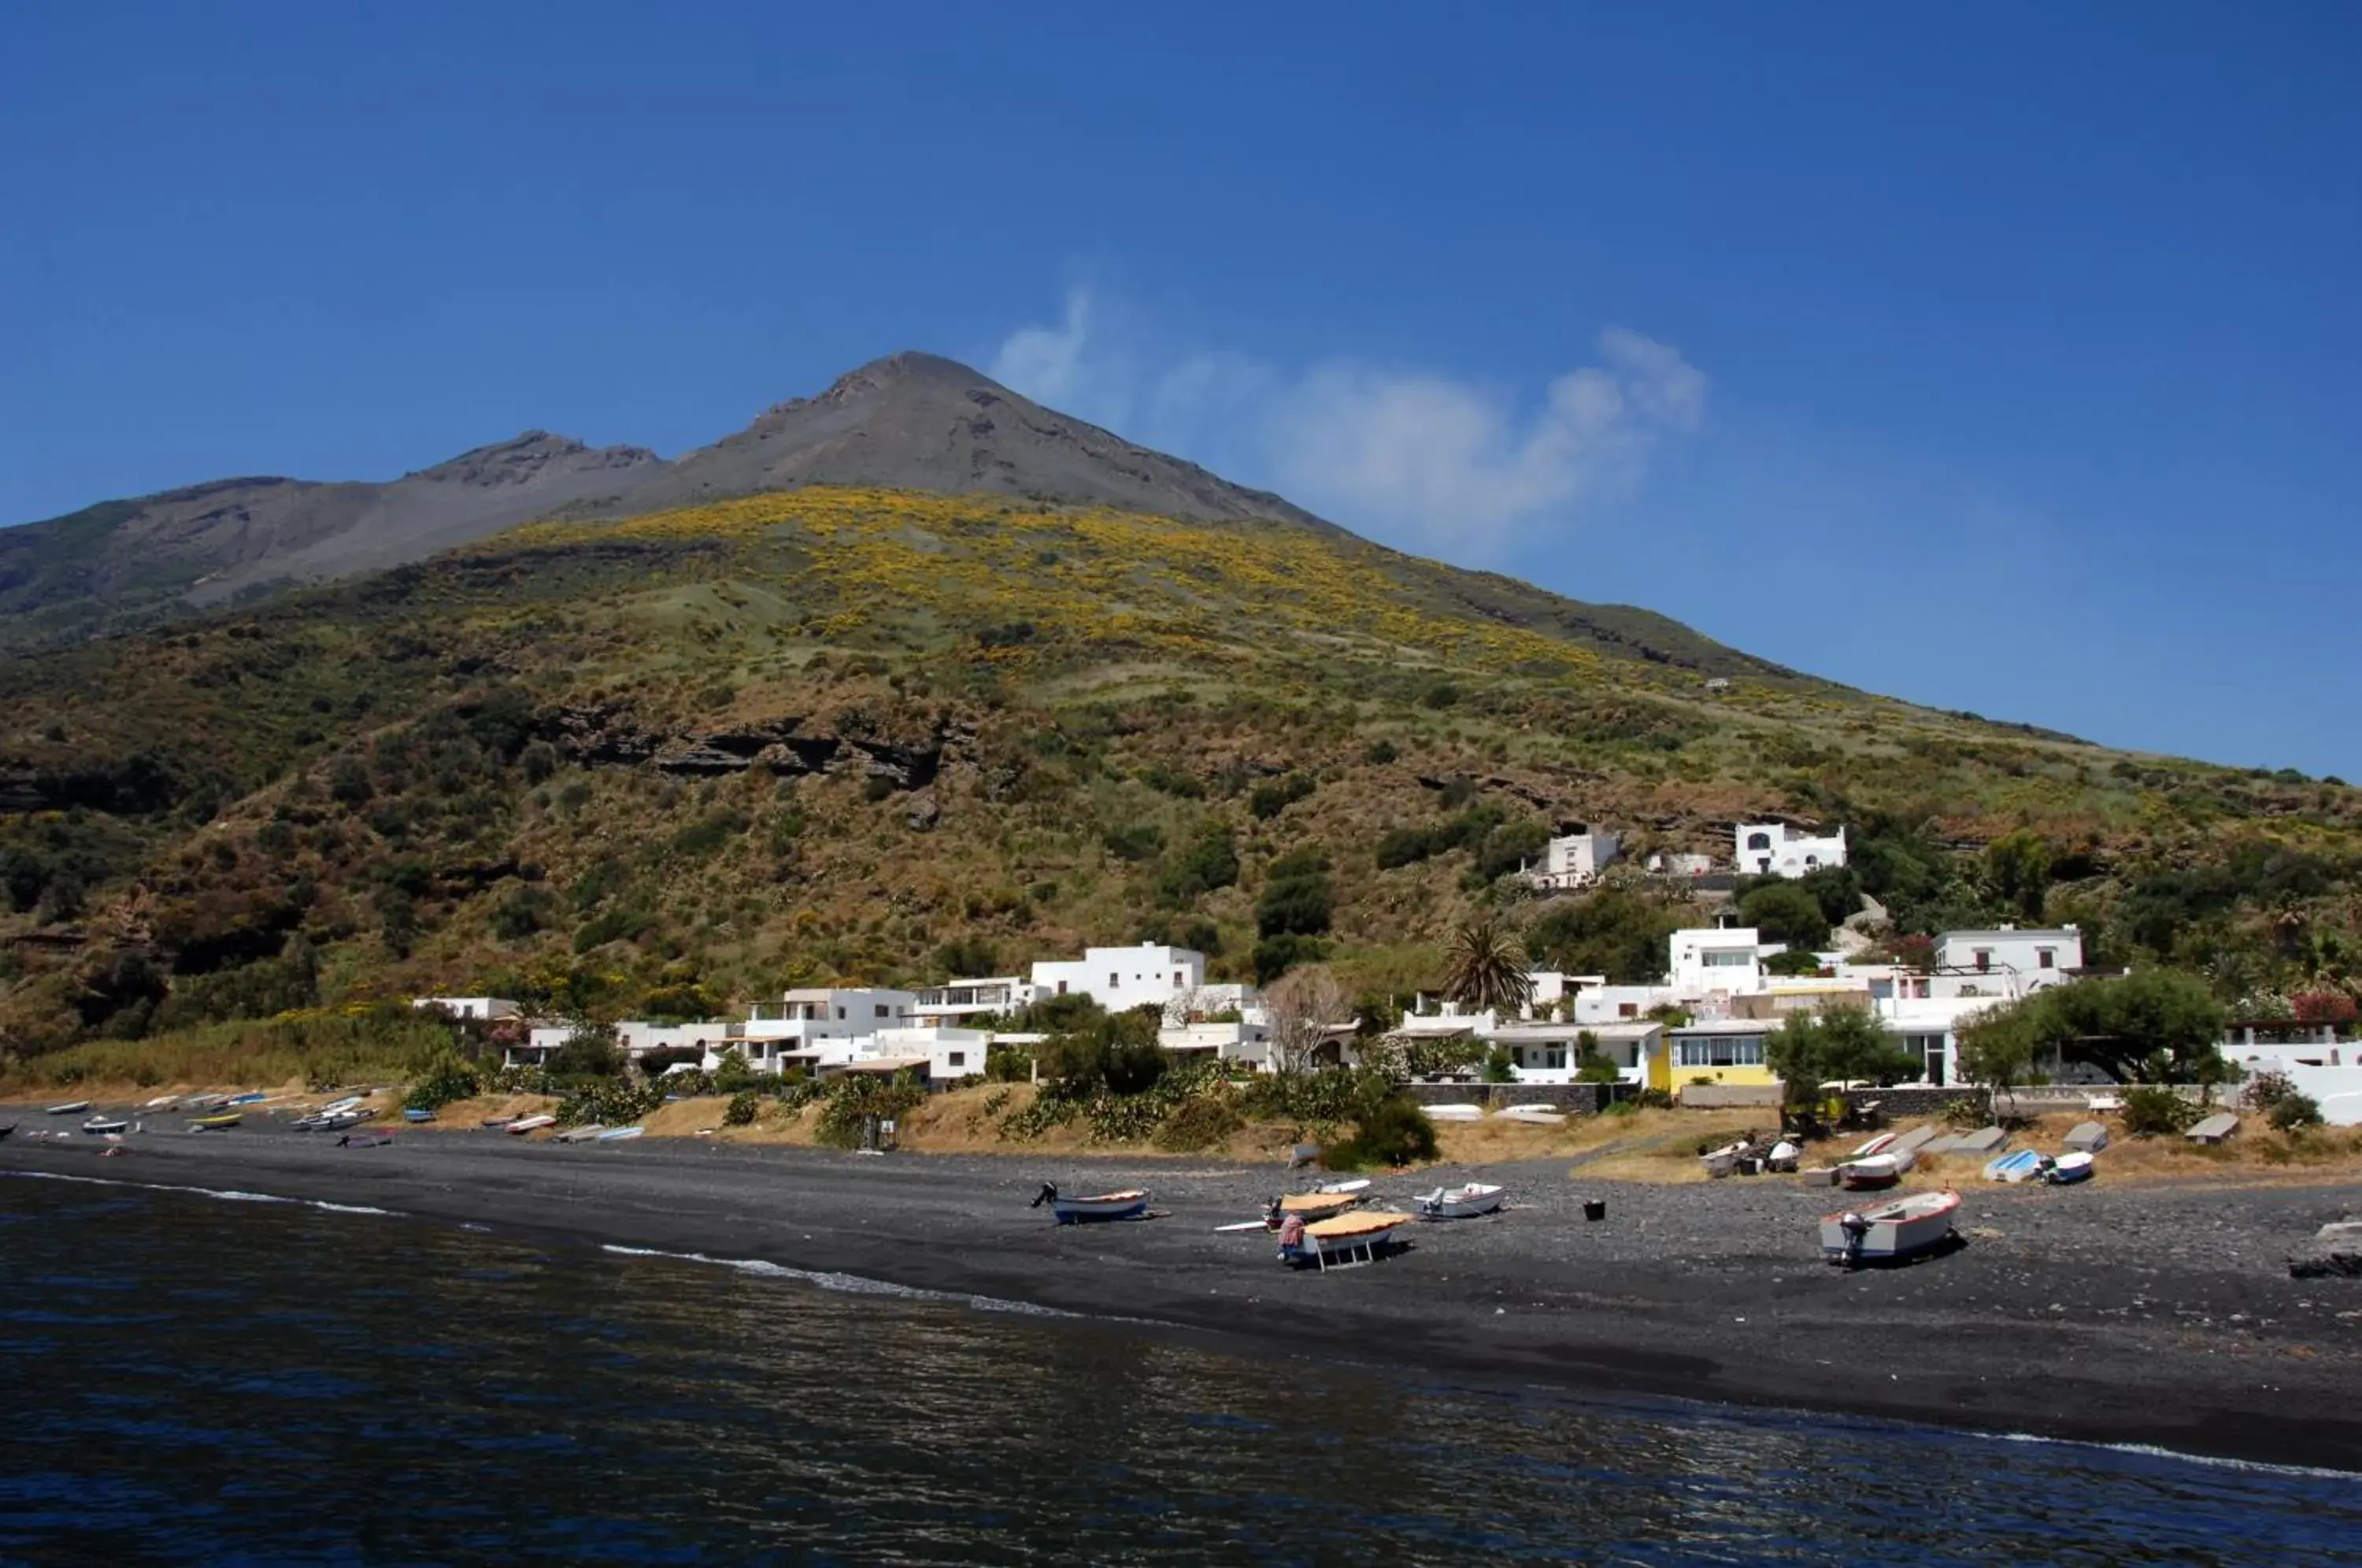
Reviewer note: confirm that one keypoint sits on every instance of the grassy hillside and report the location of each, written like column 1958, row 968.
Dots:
column 687, row 759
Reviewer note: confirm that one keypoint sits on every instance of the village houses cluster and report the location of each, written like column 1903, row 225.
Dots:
column 1705, row 1021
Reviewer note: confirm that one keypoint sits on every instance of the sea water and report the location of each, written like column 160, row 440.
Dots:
column 190, row 1379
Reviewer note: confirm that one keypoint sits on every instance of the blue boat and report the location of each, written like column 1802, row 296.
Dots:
column 415, row 1114
column 2069, row 1169
column 2021, row 1165
column 251, row 1096
column 1130, row 1204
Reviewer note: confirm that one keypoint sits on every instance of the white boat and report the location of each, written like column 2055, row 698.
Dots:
column 1870, row 1172
column 1463, row 1202
column 1877, row 1145
column 70, row 1108
column 104, row 1125
column 335, row 1106
column 1346, row 1239
column 621, row 1134
column 525, row 1124
column 204, row 1102
column 2018, row 1164
column 1723, row 1161
column 581, row 1135
column 1540, row 1115
column 1130, row 1203
column 1887, row 1232
column 1455, row 1110
column 1783, row 1157
column 2071, row 1168
column 161, row 1102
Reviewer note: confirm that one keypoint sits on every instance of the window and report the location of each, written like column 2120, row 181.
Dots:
column 955, row 1058
column 1177, row 979
column 1062, row 987
column 1759, row 840
column 1984, row 959
column 1114, row 982
column 840, row 1012
column 1627, row 1009
column 1720, row 1051
column 881, row 1010
column 1554, row 1057
column 1740, row 959
column 2046, row 958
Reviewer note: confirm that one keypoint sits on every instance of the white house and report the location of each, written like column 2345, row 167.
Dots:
column 1552, row 1053
column 1719, row 958
column 1119, row 978
column 1679, row 863
column 950, row 1054
column 2031, row 958
column 1575, row 860
column 486, row 1010
column 1775, row 849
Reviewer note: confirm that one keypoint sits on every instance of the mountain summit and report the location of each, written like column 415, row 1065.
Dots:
column 911, row 421
column 920, row 422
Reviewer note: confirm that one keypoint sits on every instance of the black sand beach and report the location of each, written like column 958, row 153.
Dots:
column 2154, row 1314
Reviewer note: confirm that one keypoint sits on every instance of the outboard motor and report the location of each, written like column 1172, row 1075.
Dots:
column 1855, row 1228
column 1049, row 1194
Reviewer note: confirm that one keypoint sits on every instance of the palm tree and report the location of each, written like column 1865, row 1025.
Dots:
column 1484, row 966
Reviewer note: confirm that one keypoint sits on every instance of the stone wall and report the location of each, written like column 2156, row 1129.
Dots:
column 1899, row 1104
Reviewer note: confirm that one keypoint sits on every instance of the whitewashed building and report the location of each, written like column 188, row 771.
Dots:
column 1574, row 860
column 1775, row 849
column 2031, row 958
column 956, row 1001
column 484, row 1009
column 1705, row 959
column 1120, row 978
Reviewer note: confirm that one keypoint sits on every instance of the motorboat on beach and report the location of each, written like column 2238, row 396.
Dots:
column 1463, row 1202
column 620, row 1134
column 525, row 1124
column 251, row 1096
column 202, row 1102
column 161, row 1102
column 413, row 1114
column 2069, row 1168
column 1344, row 1241
column 1320, row 1203
column 581, row 1134
column 1870, row 1173
column 221, row 1121
column 103, row 1125
column 1887, row 1232
column 1130, row 1203
column 70, row 1108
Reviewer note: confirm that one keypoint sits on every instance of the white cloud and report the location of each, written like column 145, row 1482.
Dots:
column 1404, row 452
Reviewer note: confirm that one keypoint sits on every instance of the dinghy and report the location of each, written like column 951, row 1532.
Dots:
column 1130, row 1203
column 1463, row 1202
column 1877, row 1145
column 621, row 1134
column 70, row 1108
column 413, row 1114
column 2069, row 1168
column 251, row 1096
column 525, row 1124
column 1335, row 1198
column 2018, row 1164
column 1783, row 1157
column 1889, row 1232
column 1456, row 1110
column 219, row 1122
column 1870, row 1172
column 104, row 1125
column 347, row 1103
column 337, row 1120
column 581, row 1134
column 204, row 1102
column 1345, row 1240
column 1539, row 1115
column 161, row 1102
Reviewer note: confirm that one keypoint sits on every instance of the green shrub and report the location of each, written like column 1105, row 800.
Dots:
column 740, row 1112
column 852, row 1099
column 2288, row 1107
column 1267, row 800
column 450, row 1078
column 1198, row 1122
column 1388, row 1129
column 2154, row 1109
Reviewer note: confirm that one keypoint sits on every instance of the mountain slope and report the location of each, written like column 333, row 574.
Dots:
column 123, row 561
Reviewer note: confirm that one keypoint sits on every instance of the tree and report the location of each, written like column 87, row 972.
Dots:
column 1300, row 1014
column 1785, row 913
column 1837, row 1043
column 2153, row 1025
column 2017, row 872
column 1484, row 966
column 1999, row 1049
column 1614, row 932
column 1796, row 961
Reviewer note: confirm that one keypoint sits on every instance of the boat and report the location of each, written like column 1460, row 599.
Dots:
column 415, row 1114
column 1130, row 1203
column 1334, row 1198
column 1783, row 1157
column 1455, row 1110
column 1346, row 1239
column 1540, row 1115
column 524, row 1124
column 336, row 1121
column 161, row 1102
column 11, row 1127
column 1723, row 1161
column 251, row 1096
column 495, row 1122
column 2018, row 1164
column 1870, row 1172
column 1877, row 1145
column 2069, row 1168
column 1889, row 1232
column 104, row 1125
column 1463, row 1202
column 204, row 1102
column 221, row 1121
column 581, row 1134
column 347, row 1103
column 313, row 1123
column 367, row 1138
column 70, row 1108
column 621, row 1134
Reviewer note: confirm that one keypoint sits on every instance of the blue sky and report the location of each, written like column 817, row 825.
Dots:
column 2001, row 359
